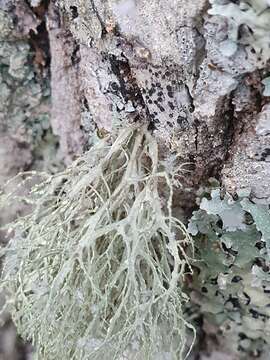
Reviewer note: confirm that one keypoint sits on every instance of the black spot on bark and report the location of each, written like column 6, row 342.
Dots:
column 152, row 91
column 74, row 12
column 171, row 105
column 161, row 108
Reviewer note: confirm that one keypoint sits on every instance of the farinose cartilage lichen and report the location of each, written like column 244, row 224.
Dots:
column 232, row 241
column 95, row 270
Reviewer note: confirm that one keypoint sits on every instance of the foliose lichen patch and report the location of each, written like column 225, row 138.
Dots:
column 248, row 23
column 233, row 278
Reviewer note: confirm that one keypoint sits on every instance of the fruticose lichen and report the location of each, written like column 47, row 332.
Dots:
column 95, row 270
column 248, row 24
column 233, row 280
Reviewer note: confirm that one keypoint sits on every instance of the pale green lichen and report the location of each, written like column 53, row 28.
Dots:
column 266, row 83
column 261, row 216
column 231, row 240
column 95, row 270
column 248, row 24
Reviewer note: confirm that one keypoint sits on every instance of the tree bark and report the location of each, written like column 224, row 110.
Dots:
column 73, row 70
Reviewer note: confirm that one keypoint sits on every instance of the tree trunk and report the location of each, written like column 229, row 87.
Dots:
column 71, row 71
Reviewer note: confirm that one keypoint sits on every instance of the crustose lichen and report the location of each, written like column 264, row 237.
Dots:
column 95, row 270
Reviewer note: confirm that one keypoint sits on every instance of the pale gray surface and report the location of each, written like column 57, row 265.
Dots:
column 158, row 60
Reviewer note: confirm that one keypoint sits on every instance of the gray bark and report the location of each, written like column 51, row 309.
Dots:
column 160, row 62
column 129, row 61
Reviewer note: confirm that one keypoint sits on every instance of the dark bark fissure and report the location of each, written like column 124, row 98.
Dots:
column 75, row 56
column 230, row 120
column 128, row 87
column 39, row 39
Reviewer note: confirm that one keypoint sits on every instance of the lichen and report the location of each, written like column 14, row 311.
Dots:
column 5, row 25
column 96, row 268
column 24, row 104
column 231, row 240
column 266, row 83
column 248, row 24
column 24, row 92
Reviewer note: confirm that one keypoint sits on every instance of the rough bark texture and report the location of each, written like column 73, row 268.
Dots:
column 65, row 112
column 156, row 62
column 161, row 62
column 26, row 139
